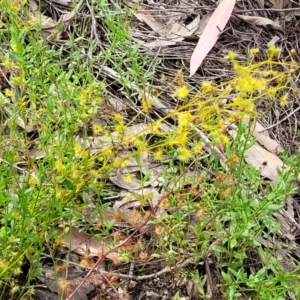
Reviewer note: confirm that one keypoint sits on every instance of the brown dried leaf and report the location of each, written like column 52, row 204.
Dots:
column 203, row 24
column 86, row 244
column 262, row 136
column 259, row 21
column 267, row 163
column 279, row 4
column 262, row 160
column 121, row 181
column 175, row 32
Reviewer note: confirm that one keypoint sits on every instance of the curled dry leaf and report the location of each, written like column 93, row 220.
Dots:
column 203, row 23
column 268, row 164
column 279, row 4
column 86, row 244
column 262, row 136
column 48, row 25
column 259, row 21
column 130, row 182
column 169, row 33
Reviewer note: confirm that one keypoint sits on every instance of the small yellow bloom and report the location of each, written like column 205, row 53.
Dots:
column 158, row 155
column 273, row 50
column 284, row 99
column 33, row 21
column 83, row 154
column 230, row 56
column 8, row 64
column 82, row 99
column 60, row 166
column 8, row 92
column 162, row 76
column 181, row 92
column 184, row 154
column 14, row 46
column 79, row 185
column 58, row 192
column 101, row 85
column 15, row 288
column 87, row 91
column 77, row 148
column 197, row 148
column 124, row 163
column 128, row 178
column 97, row 128
column 147, row 104
column 32, row 181
column 120, row 128
column 206, row 86
column 15, row 8
column 74, row 172
column 271, row 92
column 118, row 118
column 17, row 80
column 254, row 50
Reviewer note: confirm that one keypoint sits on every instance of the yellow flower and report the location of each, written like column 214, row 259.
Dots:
column 97, row 128
column 79, row 185
column 118, row 118
column 254, row 50
column 77, row 148
column 184, row 154
column 273, row 50
column 120, row 128
column 87, row 91
column 271, row 92
column 17, row 80
column 82, row 100
column 147, row 104
column 14, row 46
column 230, row 56
column 140, row 144
column 74, row 172
column 206, row 86
column 181, row 92
column 15, row 288
column 60, row 166
column 58, row 192
column 197, row 148
column 83, row 154
column 8, row 92
column 8, row 64
column 32, row 181
column 185, row 119
column 158, row 155
column 128, row 178
column 284, row 99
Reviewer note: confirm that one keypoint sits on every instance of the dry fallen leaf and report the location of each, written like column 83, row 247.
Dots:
column 262, row 160
column 169, row 33
column 48, row 25
column 259, row 21
column 86, row 244
column 211, row 33
column 279, row 4
column 262, row 136
column 203, row 23
column 130, row 182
